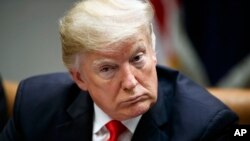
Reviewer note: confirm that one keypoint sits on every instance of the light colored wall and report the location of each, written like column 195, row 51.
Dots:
column 29, row 38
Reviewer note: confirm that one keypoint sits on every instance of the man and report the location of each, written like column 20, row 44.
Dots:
column 108, row 49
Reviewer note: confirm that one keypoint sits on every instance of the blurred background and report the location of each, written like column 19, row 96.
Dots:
column 29, row 37
column 206, row 40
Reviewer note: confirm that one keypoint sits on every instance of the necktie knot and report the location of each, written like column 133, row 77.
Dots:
column 116, row 128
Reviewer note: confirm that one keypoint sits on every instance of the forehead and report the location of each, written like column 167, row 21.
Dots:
column 119, row 50
column 140, row 39
column 119, row 53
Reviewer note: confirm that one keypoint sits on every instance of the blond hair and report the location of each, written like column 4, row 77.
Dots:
column 94, row 24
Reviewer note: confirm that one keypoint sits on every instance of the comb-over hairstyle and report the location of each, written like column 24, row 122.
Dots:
column 94, row 24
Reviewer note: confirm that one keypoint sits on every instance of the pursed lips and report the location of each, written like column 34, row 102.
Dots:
column 135, row 99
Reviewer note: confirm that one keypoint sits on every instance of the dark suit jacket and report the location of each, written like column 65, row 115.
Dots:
column 52, row 107
column 3, row 106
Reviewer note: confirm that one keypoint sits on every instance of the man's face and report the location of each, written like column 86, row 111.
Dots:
column 122, row 82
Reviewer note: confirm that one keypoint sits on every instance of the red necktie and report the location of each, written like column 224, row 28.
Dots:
column 115, row 129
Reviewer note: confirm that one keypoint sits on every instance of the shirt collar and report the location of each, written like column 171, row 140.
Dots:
column 101, row 118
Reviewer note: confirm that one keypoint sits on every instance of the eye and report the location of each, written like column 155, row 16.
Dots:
column 139, row 59
column 107, row 71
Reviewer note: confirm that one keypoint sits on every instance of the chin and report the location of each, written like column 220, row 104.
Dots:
column 135, row 110
column 140, row 108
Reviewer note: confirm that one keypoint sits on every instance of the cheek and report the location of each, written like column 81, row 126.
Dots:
column 100, row 89
column 103, row 91
column 149, row 77
column 149, row 69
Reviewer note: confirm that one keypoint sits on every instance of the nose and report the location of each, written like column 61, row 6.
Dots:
column 129, row 81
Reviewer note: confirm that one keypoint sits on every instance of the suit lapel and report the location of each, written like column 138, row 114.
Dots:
column 81, row 124
column 154, row 125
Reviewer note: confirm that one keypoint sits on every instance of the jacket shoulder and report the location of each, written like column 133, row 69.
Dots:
column 195, row 113
column 45, row 86
column 43, row 101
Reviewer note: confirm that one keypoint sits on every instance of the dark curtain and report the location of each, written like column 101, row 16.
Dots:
column 218, row 30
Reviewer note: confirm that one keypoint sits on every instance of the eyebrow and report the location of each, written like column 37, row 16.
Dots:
column 139, row 47
column 97, row 63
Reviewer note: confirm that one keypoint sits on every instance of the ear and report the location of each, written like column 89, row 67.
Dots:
column 78, row 78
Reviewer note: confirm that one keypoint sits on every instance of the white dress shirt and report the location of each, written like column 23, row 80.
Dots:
column 101, row 133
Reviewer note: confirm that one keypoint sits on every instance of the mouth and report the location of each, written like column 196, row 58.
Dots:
column 135, row 99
